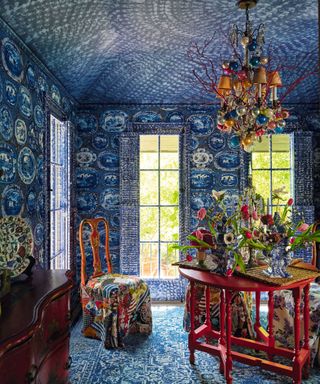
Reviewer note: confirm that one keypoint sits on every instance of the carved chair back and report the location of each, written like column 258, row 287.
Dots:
column 95, row 242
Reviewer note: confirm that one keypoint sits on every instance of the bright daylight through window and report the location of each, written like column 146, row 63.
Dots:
column 272, row 169
column 159, row 205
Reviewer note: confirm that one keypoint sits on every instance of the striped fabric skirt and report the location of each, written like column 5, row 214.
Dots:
column 115, row 305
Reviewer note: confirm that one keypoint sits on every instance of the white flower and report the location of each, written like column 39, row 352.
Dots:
column 218, row 195
column 228, row 238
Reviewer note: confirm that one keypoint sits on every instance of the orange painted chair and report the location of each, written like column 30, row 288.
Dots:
column 113, row 305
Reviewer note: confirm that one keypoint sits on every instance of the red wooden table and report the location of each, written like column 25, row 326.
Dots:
column 265, row 341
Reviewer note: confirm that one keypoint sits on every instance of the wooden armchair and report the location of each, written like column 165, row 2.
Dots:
column 113, row 305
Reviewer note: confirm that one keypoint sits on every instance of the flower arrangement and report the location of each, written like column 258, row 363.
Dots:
column 249, row 228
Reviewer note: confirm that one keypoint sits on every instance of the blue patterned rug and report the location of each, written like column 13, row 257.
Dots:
column 161, row 358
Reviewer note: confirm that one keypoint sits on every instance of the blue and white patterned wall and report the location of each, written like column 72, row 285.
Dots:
column 23, row 85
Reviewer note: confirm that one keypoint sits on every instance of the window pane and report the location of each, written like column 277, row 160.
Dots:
column 148, row 223
column 168, row 256
column 169, row 223
column 149, row 259
column 169, row 187
column 280, row 151
column 260, row 160
column 169, row 152
column 148, row 152
column 281, row 179
column 149, row 187
column 261, row 182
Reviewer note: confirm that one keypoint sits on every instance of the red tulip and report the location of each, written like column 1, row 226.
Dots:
column 189, row 257
column 248, row 235
column 290, row 201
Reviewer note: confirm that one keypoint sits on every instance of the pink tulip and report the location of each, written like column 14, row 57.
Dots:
column 201, row 213
column 255, row 215
column 199, row 234
column 303, row 227
column 292, row 240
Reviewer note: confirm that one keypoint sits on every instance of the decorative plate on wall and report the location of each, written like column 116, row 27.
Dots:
column 12, row 59
column 20, row 131
column 201, row 158
column 216, row 142
column 86, row 124
column 113, row 121
column 31, row 201
column 12, row 201
column 228, row 180
column 110, row 198
column 227, row 161
column 200, row 199
column 41, row 205
column 26, row 165
column 31, row 76
column 38, row 116
column 112, row 179
column 86, row 177
column 100, row 142
column 114, row 142
column 194, row 143
column 38, row 234
column 55, row 94
column 8, row 160
column 40, row 170
column 108, row 161
column 85, row 157
column 175, row 117
column 25, row 101
column 202, row 179
column 11, row 93
column 32, row 137
column 6, row 123
column 201, row 125
column 42, row 84
column 147, row 117
column 86, row 202
column 16, row 244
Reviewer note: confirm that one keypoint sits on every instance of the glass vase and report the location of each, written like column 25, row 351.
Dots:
column 278, row 262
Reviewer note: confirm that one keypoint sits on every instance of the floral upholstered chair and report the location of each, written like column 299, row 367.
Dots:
column 113, row 305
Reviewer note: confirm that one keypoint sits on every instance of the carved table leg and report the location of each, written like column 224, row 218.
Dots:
column 306, row 315
column 222, row 339
column 297, row 368
column 270, row 324
column 191, row 333
column 228, row 337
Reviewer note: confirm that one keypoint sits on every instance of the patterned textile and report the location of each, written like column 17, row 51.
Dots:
column 284, row 320
column 115, row 305
column 241, row 307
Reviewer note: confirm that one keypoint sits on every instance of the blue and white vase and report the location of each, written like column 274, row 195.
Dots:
column 279, row 261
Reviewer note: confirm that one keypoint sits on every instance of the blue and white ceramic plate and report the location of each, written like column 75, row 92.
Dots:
column 20, row 131
column 201, row 158
column 100, row 142
column 12, row 59
column 108, row 161
column 86, row 124
column 85, row 157
column 78, row 142
column 40, row 169
column 32, row 137
column 25, row 101
column 114, row 121
column 8, row 160
column 41, row 138
column 227, row 161
column 201, row 125
column 231, row 198
column 55, row 94
column 16, row 245
column 112, row 179
column 110, row 198
column 216, row 142
column 12, row 201
column 31, row 202
column 6, row 123
column 26, row 165
column 11, row 93
column 86, row 202
column 114, row 142
column 175, row 117
column 114, row 218
column 41, row 205
column 147, row 117
column 38, row 234
column 194, row 143
column 43, row 84
column 200, row 199
column 38, row 116
column 202, row 179
column 86, row 177
column 31, row 76
column 228, row 180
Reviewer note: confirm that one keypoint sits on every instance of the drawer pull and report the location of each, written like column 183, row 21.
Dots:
column 31, row 375
column 68, row 363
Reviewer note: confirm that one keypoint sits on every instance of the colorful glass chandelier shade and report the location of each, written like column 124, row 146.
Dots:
column 247, row 88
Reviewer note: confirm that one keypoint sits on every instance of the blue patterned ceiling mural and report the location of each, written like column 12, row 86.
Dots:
column 134, row 51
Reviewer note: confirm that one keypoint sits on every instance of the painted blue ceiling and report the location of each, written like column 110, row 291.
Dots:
column 134, row 51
